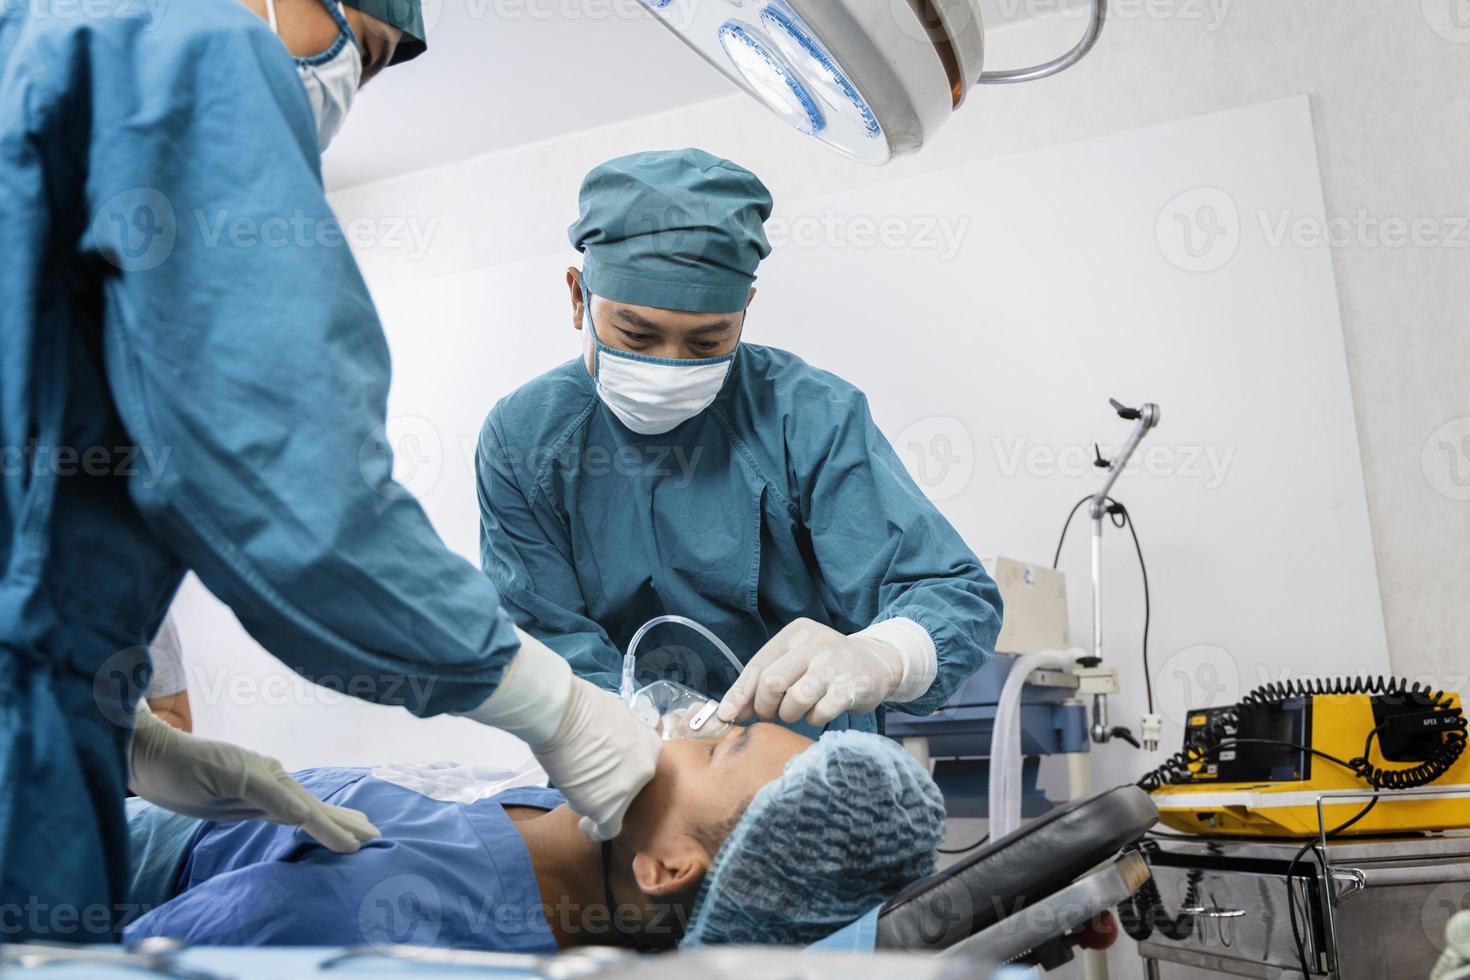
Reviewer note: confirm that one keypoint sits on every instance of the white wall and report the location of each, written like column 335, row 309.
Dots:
column 1389, row 112
column 1019, row 295
column 1386, row 82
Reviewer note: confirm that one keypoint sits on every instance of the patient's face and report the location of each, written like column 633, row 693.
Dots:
column 705, row 783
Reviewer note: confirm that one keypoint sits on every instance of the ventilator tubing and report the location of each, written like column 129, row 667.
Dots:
column 627, row 687
column 1005, row 741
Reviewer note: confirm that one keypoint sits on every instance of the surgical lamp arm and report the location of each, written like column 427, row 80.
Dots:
column 1056, row 65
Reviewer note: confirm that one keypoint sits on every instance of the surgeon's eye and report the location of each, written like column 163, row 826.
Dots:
column 705, row 348
column 637, row 339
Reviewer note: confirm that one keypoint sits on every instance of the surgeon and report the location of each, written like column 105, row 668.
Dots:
column 674, row 468
column 192, row 375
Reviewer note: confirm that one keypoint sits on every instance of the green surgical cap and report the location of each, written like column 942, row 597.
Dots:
column 675, row 230
column 407, row 16
column 850, row 823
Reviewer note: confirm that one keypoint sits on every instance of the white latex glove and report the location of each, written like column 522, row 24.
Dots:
column 218, row 781
column 814, row 673
column 598, row 754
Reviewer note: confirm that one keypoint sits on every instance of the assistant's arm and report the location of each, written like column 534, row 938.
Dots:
column 244, row 356
column 249, row 359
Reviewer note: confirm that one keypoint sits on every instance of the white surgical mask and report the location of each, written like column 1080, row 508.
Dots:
column 331, row 78
column 654, row 395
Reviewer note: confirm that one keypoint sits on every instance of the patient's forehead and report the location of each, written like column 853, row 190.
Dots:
column 766, row 751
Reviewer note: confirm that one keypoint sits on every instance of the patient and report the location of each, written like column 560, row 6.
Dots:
column 762, row 836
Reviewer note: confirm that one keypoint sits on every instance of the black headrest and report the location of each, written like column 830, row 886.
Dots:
column 1009, row 874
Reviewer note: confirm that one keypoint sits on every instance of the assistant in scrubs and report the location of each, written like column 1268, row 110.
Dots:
column 675, row 469
column 192, row 375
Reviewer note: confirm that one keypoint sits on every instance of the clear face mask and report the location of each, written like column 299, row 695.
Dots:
column 675, row 710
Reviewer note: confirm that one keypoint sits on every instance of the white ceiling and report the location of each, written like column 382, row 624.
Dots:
column 501, row 73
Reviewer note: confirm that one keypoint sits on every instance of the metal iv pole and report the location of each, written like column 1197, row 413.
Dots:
column 1145, row 418
column 1092, row 676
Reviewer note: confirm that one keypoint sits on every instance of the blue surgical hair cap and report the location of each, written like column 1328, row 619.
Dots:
column 674, row 230
column 852, row 821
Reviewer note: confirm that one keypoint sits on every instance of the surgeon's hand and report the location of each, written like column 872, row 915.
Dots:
column 596, row 751
column 218, row 781
column 814, row 673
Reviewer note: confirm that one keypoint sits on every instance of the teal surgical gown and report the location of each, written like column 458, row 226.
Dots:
column 783, row 500
column 192, row 375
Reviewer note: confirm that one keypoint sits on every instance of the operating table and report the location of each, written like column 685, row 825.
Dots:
column 1018, row 899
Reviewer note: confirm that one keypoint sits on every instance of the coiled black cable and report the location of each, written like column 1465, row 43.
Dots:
column 1176, row 769
column 1144, row 912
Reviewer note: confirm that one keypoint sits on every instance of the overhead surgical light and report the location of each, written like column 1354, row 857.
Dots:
column 771, row 77
column 873, row 79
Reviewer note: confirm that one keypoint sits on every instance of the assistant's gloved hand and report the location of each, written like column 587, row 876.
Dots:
column 218, row 781
column 596, row 751
column 600, row 758
column 814, row 673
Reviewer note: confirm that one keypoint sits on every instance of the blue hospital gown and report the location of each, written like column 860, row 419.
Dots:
column 450, row 875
